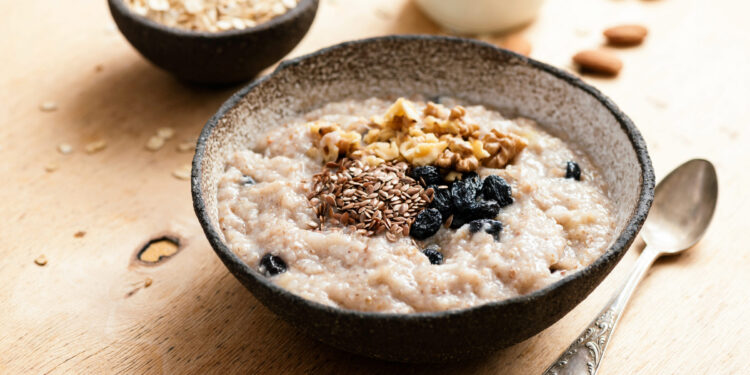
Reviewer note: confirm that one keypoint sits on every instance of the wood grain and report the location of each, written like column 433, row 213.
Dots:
column 88, row 310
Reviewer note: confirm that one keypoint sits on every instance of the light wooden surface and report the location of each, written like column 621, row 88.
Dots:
column 87, row 310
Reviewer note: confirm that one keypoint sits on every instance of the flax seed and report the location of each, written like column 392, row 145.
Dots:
column 374, row 199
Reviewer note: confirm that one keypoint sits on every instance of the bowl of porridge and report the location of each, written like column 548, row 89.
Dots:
column 213, row 41
column 420, row 198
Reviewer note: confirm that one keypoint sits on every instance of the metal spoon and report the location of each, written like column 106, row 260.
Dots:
column 683, row 205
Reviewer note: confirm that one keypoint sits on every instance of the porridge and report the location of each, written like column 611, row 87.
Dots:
column 211, row 15
column 412, row 206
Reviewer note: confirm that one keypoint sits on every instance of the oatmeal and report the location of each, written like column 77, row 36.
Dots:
column 411, row 206
column 211, row 15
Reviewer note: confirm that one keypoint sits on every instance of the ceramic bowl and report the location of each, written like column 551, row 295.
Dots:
column 215, row 57
column 432, row 66
column 480, row 16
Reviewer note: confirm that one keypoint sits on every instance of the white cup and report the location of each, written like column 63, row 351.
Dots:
column 480, row 16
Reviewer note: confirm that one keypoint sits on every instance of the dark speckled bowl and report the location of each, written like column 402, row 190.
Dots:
column 432, row 66
column 215, row 58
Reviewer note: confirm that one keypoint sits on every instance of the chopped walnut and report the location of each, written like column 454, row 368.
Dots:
column 492, row 147
column 436, row 111
column 457, row 112
column 447, row 159
column 509, row 144
column 333, row 141
column 437, row 136
column 477, row 147
column 401, row 114
column 467, row 164
column 384, row 150
column 348, row 142
column 460, row 146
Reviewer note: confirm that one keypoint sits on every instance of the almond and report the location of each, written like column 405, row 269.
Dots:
column 625, row 35
column 598, row 61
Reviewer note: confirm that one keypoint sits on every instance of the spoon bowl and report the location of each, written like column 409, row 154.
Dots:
column 683, row 206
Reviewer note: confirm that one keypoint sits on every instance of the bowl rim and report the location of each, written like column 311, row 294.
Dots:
column 124, row 9
column 614, row 252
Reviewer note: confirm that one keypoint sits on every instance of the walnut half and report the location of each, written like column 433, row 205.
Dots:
column 505, row 146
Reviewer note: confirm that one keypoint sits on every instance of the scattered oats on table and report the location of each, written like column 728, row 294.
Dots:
column 211, row 15
column 183, row 172
column 41, row 260
column 165, row 132
column 96, row 146
column 51, row 167
column 155, row 143
column 48, row 106
column 65, row 148
column 186, row 146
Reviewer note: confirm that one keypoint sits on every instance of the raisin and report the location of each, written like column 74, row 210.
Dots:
column 497, row 189
column 464, row 194
column 459, row 221
column 428, row 174
column 433, row 254
column 473, row 179
column 426, row 224
column 483, row 210
column 272, row 264
column 573, row 170
column 247, row 180
column 442, row 201
column 492, row 227
column 475, row 211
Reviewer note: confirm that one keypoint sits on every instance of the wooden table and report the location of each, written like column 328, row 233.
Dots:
column 88, row 310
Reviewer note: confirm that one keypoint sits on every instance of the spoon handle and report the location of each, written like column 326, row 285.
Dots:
column 585, row 354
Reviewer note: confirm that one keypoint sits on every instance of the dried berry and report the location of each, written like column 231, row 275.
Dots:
column 426, row 224
column 433, row 254
column 247, row 180
column 483, row 210
column 473, row 179
column 464, row 192
column 573, row 170
column 458, row 221
column 497, row 189
column 492, row 227
column 475, row 211
column 428, row 173
column 442, row 201
column 272, row 265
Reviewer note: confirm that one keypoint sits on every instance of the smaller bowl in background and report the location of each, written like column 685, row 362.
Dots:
column 480, row 16
column 215, row 57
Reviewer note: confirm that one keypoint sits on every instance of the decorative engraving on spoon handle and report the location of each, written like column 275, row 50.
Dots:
column 585, row 354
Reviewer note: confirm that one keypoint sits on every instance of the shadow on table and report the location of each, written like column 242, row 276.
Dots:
column 228, row 330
